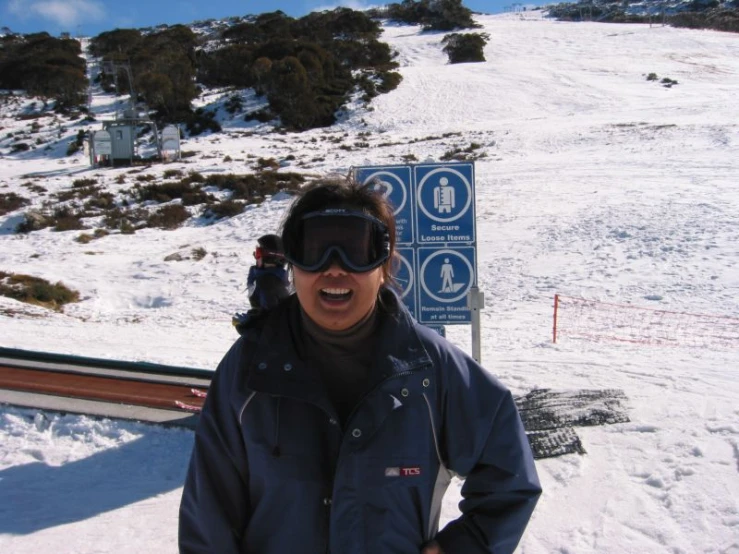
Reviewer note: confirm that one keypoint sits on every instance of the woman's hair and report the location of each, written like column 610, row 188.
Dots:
column 340, row 192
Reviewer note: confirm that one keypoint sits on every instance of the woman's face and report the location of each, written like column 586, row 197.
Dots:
column 337, row 299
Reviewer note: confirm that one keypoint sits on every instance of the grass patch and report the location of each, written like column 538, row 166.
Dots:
column 34, row 290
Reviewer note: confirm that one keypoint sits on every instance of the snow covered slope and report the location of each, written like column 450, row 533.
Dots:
column 594, row 182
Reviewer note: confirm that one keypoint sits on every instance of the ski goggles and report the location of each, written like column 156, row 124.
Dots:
column 357, row 241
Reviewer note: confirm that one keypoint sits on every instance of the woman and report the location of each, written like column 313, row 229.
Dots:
column 335, row 422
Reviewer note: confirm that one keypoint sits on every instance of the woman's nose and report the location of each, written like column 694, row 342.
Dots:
column 334, row 269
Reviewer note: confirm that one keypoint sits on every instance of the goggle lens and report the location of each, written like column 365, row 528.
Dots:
column 357, row 241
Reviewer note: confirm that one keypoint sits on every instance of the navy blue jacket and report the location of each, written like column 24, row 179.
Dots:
column 273, row 472
column 267, row 286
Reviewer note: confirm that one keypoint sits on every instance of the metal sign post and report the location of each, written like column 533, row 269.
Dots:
column 434, row 208
column 476, row 302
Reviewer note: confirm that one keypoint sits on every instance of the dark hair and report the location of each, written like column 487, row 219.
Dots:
column 273, row 252
column 272, row 243
column 340, row 192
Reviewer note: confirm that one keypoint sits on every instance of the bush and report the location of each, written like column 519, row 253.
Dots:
column 68, row 222
column 19, row 147
column 227, row 208
column 85, row 238
column 80, row 183
column 254, row 188
column 34, row 290
column 201, row 121
column 125, row 221
column 101, row 201
column 467, row 47
column 44, row 66
column 464, row 154
column 434, row 15
column 9, row 202
column 719, row 19
column 166, row 192
column 168, row 217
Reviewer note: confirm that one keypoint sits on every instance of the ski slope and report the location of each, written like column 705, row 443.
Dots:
column 595, row 183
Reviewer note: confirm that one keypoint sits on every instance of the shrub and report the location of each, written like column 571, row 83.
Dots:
column 125, row 221
column 234, row 104
column 72, row 148
column 717, row 18
column 85, row 238
column 434, row 15
column 467, row 47
column 267, row 163
column 9, row 202
column 464, row 154
column 102, row 201
column 166, row 192
column 33, row 221
column 19, row 147
column 79, row 183
column 68, row 222
column 78, row 193
column 201, row 121
column 227, row 208
column 254, row 188
column 34, row 290
column 263, row 115
column 199, row 253
column 77, row 144
column 168, row 217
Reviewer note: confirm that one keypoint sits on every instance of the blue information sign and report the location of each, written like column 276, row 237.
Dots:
column 395, row 184
column 446, row 207
column 445, row 276
column 434, row 207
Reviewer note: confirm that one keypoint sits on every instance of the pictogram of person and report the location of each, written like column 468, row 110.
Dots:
column 447, row 276
column 444, row 198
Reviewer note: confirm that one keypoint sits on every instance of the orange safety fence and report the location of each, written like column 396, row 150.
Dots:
column 604, row 321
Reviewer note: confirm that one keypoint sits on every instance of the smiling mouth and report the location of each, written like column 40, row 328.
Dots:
column 336, row 294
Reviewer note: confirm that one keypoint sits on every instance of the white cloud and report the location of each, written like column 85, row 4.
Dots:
column 67, row 13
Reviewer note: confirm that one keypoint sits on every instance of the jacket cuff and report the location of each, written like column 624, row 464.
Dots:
column 454, row 538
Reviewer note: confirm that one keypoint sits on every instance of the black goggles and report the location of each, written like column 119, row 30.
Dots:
column 357, row 241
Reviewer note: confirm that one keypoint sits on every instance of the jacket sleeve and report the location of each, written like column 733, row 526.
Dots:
column 485, row 442
column 214, row 506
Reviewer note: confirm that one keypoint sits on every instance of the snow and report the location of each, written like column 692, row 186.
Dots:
column 596, row 183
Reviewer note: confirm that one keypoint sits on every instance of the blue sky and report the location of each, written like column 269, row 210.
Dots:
column 91, row 17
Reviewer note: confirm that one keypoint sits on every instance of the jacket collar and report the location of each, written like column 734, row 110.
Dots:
column 275, row 367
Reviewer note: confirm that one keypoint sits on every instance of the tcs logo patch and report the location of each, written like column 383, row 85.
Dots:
column 402, row 471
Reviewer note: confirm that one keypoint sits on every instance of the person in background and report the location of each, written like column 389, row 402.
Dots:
column 267, row 282
column 335, row 423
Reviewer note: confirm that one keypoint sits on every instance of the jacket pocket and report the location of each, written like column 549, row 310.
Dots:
column 393, row 505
